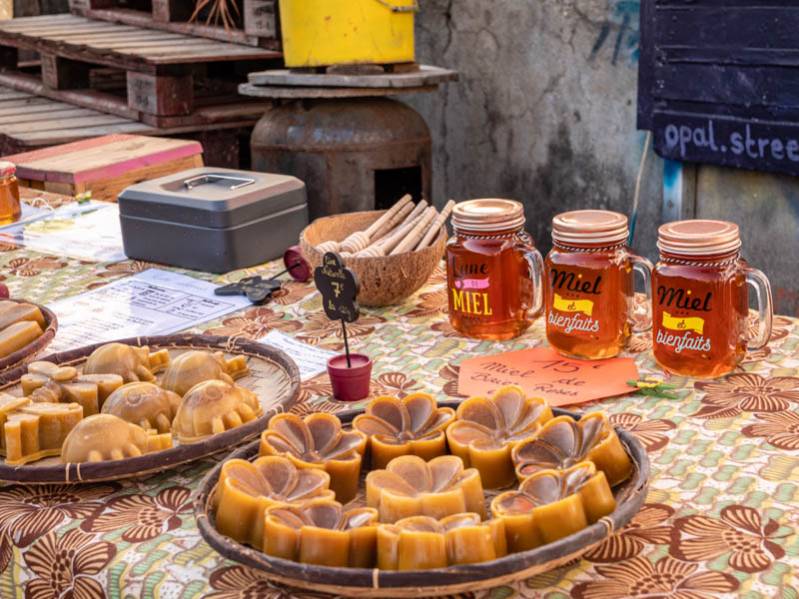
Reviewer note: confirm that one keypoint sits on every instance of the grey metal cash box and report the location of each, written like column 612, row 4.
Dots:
column 212, row 219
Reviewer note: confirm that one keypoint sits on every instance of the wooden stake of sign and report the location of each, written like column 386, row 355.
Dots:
column 339, row 288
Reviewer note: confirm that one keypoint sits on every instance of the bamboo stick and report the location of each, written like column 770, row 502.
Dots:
column 415, row 234
column 432, row 232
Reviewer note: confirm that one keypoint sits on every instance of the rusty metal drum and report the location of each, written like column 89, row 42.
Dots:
column 353, row 154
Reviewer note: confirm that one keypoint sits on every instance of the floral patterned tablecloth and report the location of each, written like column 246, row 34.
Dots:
column 721, row 518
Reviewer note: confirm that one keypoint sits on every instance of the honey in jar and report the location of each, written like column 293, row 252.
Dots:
column 701, row 299
column 10, row 209
column 494, row 272
column 589, row 299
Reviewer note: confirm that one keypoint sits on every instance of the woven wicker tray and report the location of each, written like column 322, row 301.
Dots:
column 274, row 377
column 364, row 582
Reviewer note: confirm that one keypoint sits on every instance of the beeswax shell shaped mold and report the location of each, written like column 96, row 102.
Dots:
column 214, row 407
column 145, row 404
column 320, row 532
column 486, row 430
column 247, row 489
column 422, row 543
column 105, row 437
column 414, row 425
column 563, row 442
column 409, row 486
column 553, row 504
column 131, row 363
column 193, row 367
column 318, row 441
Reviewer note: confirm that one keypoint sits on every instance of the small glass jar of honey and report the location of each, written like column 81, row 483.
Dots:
column 590, row 297
column 494, row 272
column 10, row 208
column 701, row 301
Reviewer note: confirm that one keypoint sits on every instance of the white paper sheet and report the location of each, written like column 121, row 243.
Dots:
column 311, row 360
column 89, row 231
column 153, row 302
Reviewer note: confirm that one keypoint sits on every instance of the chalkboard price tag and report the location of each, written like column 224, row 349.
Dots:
column 339, row 289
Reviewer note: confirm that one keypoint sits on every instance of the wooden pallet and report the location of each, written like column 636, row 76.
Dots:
column 170, row 79
column 258, row 26
column 29, row 122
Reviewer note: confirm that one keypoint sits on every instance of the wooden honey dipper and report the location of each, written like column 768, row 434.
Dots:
column 432, row 232
column 360, row 240
column 388, row 243
column 415, row 235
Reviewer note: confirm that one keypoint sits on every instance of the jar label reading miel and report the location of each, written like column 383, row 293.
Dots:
column 471, row 295
column 682, row 319
column 568, row 312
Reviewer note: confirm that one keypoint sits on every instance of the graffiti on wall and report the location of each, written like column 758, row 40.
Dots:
column 620, row 31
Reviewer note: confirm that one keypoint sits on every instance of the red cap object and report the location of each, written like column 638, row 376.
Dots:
column 4, row 293
column 298, row 267
column 7, row 168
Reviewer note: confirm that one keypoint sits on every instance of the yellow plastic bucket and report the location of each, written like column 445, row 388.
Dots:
column 331, row 32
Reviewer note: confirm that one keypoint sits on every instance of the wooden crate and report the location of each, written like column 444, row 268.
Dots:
column 170, row 80
column 105, row 165
column 258, row 18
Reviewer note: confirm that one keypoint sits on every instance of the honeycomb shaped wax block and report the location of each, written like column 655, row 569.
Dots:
column 318, row 441
column 409, row 486
column 131, row 363
column 48, row 382
column 246, row 489
column 563, row 442
column 104, row 437
column 321, row 532
column 194, row 367
column 214, row 407
column 16, row 336
column 411, row 426
column 422, row 542
column 486, row 430
column 38, row 430
column 552, row 504
column 145, row 404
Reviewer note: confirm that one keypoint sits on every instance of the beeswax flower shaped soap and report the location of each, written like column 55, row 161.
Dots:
column 51, row 383
column 414, row 425
column 131, row 363
column 318, row 442
column 105, row 437
column 485, row 431
column 563, row 442
column 421, row 542
column 214, row 407
column 552, row 504
column 246, row 489
column 409, row 486
column 320, row 532
column 145, row 404
column 38, row 430
column 193, row 367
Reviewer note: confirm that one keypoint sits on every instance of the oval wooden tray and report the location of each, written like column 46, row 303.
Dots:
column 27, row 353
column 274, row 377
column 364, row 582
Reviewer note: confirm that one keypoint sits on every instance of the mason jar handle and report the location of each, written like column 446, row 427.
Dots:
column 536, row 263
column 758, row 281
column 394, row 8
column 643, row 267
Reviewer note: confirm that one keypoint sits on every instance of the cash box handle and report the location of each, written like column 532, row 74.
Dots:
column 206, row 179
column 394, row 8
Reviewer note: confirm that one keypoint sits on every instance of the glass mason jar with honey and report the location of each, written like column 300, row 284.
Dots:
column 590, row 306
column 701, row 299
column 494, row 272
column 10, row 208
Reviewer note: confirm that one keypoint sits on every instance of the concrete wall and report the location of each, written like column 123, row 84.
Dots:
column 545, row 113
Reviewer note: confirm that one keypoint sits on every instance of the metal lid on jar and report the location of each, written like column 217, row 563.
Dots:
column 590, row 227
column 699, row 237
column 486, row 215
column 7, row 168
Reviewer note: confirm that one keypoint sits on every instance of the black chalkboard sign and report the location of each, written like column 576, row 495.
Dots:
column 719, row 81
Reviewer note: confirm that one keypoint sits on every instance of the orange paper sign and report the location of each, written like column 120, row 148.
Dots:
column 542, row 372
